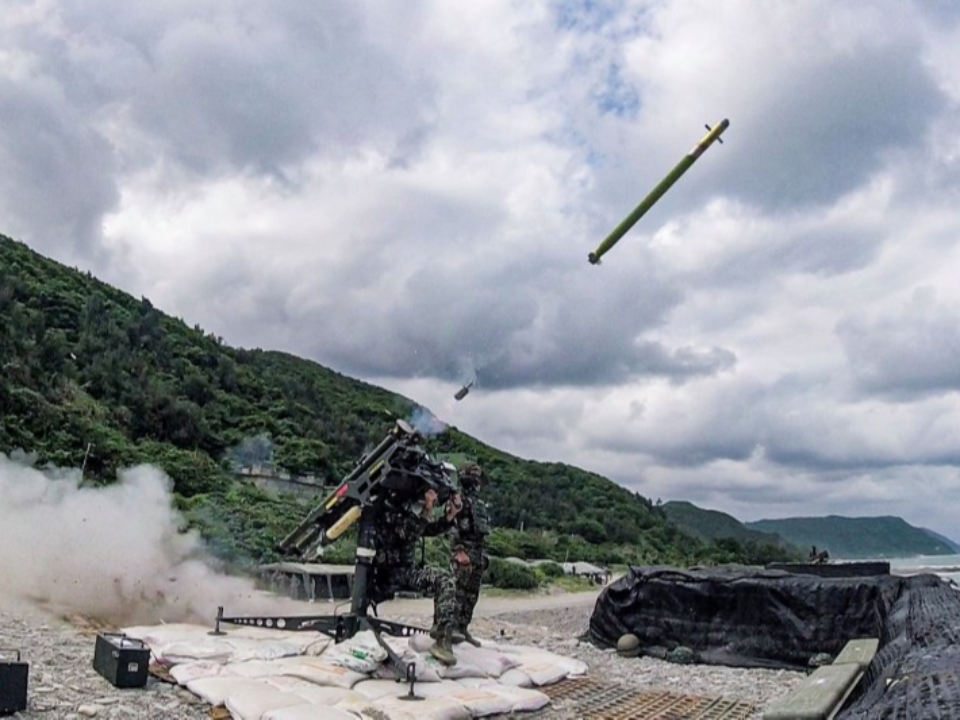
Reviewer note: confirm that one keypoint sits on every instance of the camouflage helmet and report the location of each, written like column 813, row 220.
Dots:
column 470, row 473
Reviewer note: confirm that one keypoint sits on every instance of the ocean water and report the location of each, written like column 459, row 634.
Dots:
column 946, row 566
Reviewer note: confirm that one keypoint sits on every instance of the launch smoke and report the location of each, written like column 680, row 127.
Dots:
column 115, row 553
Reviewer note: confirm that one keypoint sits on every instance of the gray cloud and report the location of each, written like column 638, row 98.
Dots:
column 823, row 132
column 57, row 179
column 909, row 353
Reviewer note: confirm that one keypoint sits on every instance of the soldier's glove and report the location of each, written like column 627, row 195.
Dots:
column 454, row 506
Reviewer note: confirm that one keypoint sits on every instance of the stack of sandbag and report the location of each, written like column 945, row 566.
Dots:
column 260, row 674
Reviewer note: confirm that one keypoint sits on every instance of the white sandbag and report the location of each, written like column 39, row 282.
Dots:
column 185, row 651
column 481, row 702
column 289, row 684
column 309, row 712
column 258, row 668
column 157, row 635
column 317, row 671
column 430, row 708
column 542, row 671
column 515, row 677
column 572, row 665
column 421, row 643
column 236, row 637
column 361, row 653
column 245, row 649
column 215, row 690
column 252, row 704
column 423, row 671
column 185, row 672
column 491, row 662
column 320, row 695
column 391, row 708
column 475, row 682
column 521, row 699
column 443, row 688
column 366, row 710
column 373, row 689
column 462, row 669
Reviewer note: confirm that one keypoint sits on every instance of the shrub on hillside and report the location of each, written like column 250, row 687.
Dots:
column 510, row 576
column 550, row 570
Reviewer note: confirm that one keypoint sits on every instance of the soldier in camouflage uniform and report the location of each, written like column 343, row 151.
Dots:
column 399, row 527
column 468, row 538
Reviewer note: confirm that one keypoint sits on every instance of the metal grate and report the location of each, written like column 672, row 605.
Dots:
column 588, row 698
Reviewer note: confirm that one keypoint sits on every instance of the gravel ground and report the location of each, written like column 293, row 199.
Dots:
column 64, row 685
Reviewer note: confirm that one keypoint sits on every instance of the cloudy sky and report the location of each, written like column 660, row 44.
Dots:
column 407, row 193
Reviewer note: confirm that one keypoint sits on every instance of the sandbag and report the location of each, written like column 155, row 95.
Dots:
column 185, row 672
column 309, row 712
column 521, row 699
column 542, row 671
column 316, row 670
column 253, row 703
column 366, row 710
column 423, row 670
column 481, row 701
column 515, row 677
column 392, row 708
column 361, row 653
column 188, row 651
column 462, row 669
column 215, row 690
column 490, row 661
column 320, row 695
column 373, row 689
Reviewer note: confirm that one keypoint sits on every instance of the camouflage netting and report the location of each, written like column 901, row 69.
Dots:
column 916, row 673
column 761, row 618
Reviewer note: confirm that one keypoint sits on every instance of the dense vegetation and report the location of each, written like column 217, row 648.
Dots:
column 97, row 379
column 857, row 537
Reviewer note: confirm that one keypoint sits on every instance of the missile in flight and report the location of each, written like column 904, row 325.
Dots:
column 650, row 200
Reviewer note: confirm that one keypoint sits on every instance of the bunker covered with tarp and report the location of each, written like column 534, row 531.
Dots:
column 754, row 617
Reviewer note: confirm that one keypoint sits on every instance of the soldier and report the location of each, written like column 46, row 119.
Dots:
column 468, row 536
column 394, row 567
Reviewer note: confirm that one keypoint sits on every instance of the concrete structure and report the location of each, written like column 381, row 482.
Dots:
column 309, row 581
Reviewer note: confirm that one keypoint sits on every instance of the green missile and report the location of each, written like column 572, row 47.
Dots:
column 648, row 202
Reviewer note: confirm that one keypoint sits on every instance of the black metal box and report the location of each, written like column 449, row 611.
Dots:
column 13, row 683
column 122, row 660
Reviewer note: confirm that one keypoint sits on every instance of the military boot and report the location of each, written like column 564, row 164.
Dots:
column 442, row 649
column 468, row 637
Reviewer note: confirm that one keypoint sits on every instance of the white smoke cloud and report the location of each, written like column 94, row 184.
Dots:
column 114, row 553
column 426, row 423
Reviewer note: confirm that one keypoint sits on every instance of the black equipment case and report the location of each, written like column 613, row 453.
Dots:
column 121, row 660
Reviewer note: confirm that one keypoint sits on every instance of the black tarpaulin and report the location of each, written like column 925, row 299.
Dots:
column 743, row 617
column 748, row 617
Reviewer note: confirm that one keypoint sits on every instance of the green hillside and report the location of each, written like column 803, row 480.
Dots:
column 93, row 377
column 856, row 537
column 713, row 526
column 953, row 544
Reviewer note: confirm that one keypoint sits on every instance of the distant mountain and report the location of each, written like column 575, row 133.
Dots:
column 943, row 538
column 857, row 538
column 710, row 525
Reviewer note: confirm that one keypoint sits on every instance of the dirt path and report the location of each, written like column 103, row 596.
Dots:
column 497, row 604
